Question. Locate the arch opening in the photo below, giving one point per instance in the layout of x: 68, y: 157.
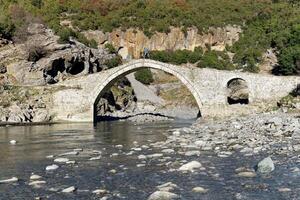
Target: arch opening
x: 104, y: 89
x: 238, y: 91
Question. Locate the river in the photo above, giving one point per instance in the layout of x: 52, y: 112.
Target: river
x: 119, y: 171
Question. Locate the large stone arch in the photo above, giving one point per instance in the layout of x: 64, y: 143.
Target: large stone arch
x: 132, y: 66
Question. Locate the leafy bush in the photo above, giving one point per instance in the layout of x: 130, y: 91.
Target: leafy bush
x: 289, y: 61
x: 177, y: 57
x: 144, y: 76
x: 66, y: 33
x: 113, y: 62
x: 217, y: 60
x: 7, y: 28
x: 111, y: 49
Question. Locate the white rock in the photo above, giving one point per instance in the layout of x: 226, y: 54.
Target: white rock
x: 11, y: 180
x: 284, y: 190
x: 192, y: 153
x: 265, y: 166
x: 35, y: 177
x: 79, y: 149
x: 74, y: 153
x: 199, y: 190
x: 69, y: 189
x: 142, y: 157
x: 156, y: 155
x: 119, y: 146
x: 191, y: 166
x: 100, y: 191
x: 95, y: 158
x: 167, y: 187
x: 61, y: 160
x: 168, y: 151
x: 13, y: 142
x: 37, y: 183
x: 50, y: 156
x: 163, y: 195
x: 247, y: 174
x: 52, y: 167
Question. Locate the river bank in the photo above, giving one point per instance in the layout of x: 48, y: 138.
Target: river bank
x: 128, y: 160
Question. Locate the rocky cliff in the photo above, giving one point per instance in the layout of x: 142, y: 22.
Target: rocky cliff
x: 131, y: 43
x: 29, y: 67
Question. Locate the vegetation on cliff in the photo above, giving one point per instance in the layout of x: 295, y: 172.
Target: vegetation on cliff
x: 266, y: 23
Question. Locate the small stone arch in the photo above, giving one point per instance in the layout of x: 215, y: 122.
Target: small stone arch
x: 116, y: 73
x: 237, y: 91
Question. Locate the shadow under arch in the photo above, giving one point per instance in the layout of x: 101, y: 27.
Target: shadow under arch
x: 238, y: 91
x: 123, y: 70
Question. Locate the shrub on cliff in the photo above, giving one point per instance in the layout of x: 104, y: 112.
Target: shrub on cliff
x: 113, y: 62
x: 7, y: 27
x: 177, y: 57
x: 144, y: 76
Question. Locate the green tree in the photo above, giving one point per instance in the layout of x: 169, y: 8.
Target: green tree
x: 144, y: 76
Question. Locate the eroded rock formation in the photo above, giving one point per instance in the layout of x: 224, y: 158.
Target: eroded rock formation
x: 131, y: 43
x: 27, y: 68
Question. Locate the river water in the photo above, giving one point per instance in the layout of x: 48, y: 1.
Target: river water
x: 117, y: 170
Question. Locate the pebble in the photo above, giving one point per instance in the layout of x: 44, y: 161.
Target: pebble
x: 284, y: 190
x: 163, y: 195
x: 247, y: 174
x: 61, y: 160
x: 100, y: 191
x: 191, y: 166
x: 156, y: 155
x: 69, y: 189
x: 35, y: 177
x: 74, y: 153
x: 13, y: 142
x: 37, y: 184
x: 168, y: 151
x: 52, y: 167
x: 199, y: 190
x: 142, y: 157
x: 119, y: 146
x: 167, y: 187
x: 95, y: 158
x: 11, y: 180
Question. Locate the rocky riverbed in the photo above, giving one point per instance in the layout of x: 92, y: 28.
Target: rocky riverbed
x: 253, y: 157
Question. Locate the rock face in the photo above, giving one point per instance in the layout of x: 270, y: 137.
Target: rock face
x: 41, y: 59
x: 131, y: 43
x: 3, y: 69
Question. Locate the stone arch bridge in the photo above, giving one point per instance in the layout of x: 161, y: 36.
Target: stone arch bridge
x: 73, y: 100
